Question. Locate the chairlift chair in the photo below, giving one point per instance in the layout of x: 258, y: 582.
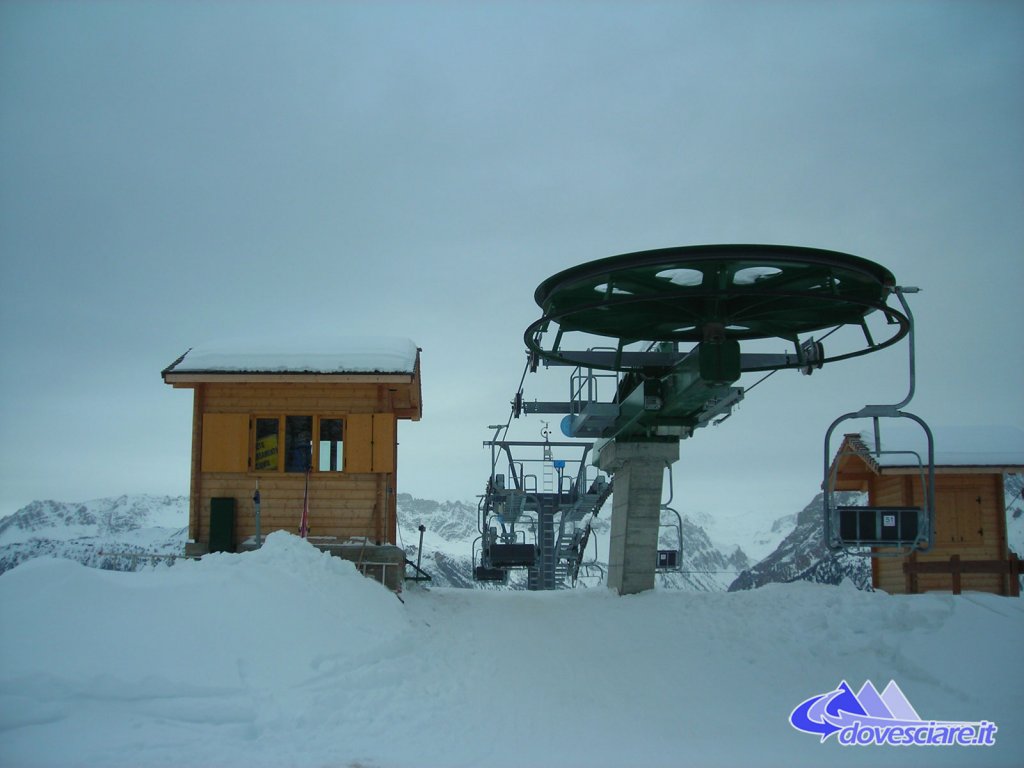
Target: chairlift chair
x: 883, y: 531
x: 670, y: 560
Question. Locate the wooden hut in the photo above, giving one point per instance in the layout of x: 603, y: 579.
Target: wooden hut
x: 970, y: 550
x: 304, y: 421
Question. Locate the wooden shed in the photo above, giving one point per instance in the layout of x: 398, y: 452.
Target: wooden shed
x: 970, y: 550
x: 316, y: 421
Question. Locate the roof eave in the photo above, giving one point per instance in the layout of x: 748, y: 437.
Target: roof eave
x: 953, y: 469
x: 185, y: 378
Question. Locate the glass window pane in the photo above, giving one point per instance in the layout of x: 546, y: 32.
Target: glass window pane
x: 298, y: 443
x: 330, y: 445
x: 265, y: 459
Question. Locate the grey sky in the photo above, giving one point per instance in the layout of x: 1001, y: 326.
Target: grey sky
x: 172, y: 173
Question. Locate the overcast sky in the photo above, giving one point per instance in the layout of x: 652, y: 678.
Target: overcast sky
x: 174, y: 173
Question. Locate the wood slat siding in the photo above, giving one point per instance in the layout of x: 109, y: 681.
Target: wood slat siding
x: 965, y: 505
x: 344, y: 505
x: 296, y: 398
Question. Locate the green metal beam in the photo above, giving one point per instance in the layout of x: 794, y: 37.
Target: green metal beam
x: 676, y: 397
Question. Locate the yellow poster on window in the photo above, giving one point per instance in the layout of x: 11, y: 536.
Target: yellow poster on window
x: 266, y: 453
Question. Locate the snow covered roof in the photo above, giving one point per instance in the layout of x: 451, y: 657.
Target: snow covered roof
x: 299, y: 355
x: 955, y: 446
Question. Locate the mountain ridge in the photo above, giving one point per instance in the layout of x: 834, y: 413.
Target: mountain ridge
x: 803, y: 556
x: 127, y: 532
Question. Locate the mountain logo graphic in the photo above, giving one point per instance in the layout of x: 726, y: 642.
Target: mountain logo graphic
x: 887, y: 718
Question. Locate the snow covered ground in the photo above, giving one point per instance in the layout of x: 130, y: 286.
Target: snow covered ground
x: 286, y: 656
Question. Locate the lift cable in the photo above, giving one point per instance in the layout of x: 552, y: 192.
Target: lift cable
x: 503, y: 430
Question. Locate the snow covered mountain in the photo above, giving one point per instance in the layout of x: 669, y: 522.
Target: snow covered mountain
x: 112, y: 533
x: 802, y: 555
x: 447, y: 541
x: 706, y: 566
x: 124, y: 533
x: 118, y: 533
x: 735, y: 529
x: 451, y: 528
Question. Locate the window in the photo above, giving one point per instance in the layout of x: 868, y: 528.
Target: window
x: 330, y: 447
x: 298, y: 443
x: 354, y: 443
x: 266, y: 446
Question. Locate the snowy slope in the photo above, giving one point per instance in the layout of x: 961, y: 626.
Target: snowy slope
x: 287, y: 657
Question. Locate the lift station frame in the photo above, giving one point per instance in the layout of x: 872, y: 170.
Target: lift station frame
x: 537, y: 514
x: 669, y: 324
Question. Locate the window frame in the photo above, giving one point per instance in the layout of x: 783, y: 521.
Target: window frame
x: 280, y: 418
x: 256, y: 417
x: 317, y: 421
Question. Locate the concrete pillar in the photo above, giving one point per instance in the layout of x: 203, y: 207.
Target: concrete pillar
x: 639, y: 470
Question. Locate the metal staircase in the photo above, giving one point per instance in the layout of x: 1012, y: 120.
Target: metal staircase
x: 573, y: 538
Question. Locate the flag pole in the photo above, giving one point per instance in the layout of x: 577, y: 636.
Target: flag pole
x: 304, y: 522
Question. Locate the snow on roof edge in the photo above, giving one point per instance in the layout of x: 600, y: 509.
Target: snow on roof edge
x: 312, y: 355
x: 955, y: 446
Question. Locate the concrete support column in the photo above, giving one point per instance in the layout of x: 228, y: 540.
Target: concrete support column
x: 639, y: 470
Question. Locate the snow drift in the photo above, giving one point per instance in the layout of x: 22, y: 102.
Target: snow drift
x: 287, y: 656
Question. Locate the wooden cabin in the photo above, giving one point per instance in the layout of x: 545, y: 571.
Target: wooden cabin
x: 318, y: 418
x: 970, y: 549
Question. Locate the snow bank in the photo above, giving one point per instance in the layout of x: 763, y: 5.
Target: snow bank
x: 288, y: 657
x: 114, y: 665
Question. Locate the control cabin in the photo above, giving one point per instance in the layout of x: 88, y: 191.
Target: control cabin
x: 970, y: 530
x: 319, y: 416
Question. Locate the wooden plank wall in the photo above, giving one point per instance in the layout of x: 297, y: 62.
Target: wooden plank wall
x: 293, y: 398
x: 341, y: 504
x: 969, y: 521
